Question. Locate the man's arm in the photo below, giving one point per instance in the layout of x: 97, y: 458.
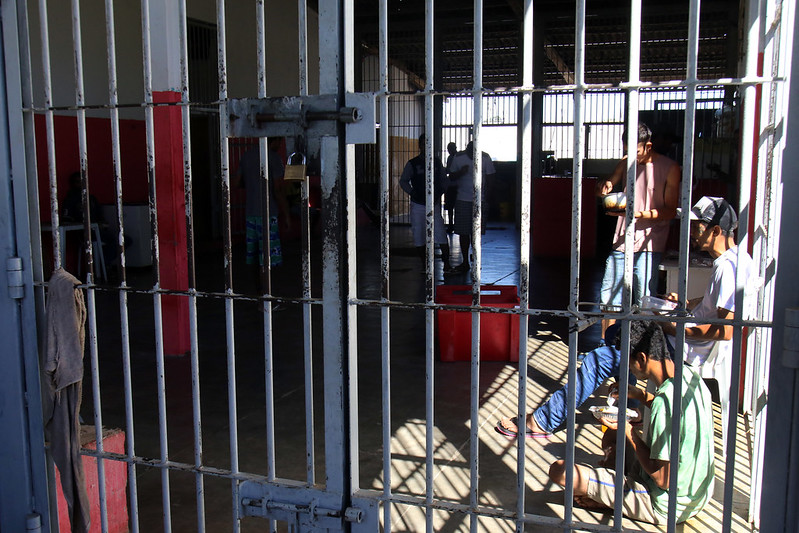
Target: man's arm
x: 690, y: 304
x: 705, y: 332
x: 405, y: 179
x: 671, y: 196
x: 657, y: 469
x: 712, y: 332
x: 606, y: 186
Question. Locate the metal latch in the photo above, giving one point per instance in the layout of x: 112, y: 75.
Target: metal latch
x: 305, y: 509
x: 316, y: 115
x: 16, y: 288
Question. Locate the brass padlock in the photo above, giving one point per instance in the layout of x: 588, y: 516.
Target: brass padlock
x: 295, y: 171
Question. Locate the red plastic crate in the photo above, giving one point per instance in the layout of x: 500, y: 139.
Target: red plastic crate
x: 499, y: 332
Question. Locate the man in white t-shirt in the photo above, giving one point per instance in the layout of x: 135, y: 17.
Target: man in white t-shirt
x: 713, y: 222
x: 461, y: 173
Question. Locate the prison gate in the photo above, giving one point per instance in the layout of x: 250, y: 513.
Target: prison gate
x: 276, y: 365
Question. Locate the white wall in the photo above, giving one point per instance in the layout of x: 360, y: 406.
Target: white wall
x: 282, y: 45
x: 95, y: 59
x: 406, y: 111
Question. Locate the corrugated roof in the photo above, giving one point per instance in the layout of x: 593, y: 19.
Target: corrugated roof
x: 664, y: 37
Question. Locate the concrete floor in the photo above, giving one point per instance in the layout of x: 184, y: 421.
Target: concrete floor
x: 547, y: 360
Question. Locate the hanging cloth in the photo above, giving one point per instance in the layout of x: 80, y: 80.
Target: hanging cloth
x: 63, y: 369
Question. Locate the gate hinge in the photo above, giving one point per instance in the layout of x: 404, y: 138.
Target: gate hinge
x: 307, y: 509
x: 16, y: 288
x: 314, y: 115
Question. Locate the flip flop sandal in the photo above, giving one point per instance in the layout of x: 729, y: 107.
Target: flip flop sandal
x: 529, y: 433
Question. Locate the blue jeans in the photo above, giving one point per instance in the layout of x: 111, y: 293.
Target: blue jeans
x: 644, y: 282
x: 598, y: 365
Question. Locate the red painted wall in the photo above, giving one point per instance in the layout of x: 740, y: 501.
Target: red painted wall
x: 101, y: 170
x: 552, y: 217
x: 168, y: 131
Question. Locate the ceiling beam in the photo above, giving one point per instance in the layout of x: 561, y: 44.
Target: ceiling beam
x: 413, y: 78
x: 517, y: 8
x: 558, y: 61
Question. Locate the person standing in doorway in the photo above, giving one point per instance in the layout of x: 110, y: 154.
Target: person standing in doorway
x: 249, y: 177
x: 462, y: 173
x: 452, y: 191
x: 657, y: 194
x: 412, y: 182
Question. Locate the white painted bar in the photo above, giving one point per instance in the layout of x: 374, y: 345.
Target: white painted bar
x: 574, y: 283
x: 524, y: 125
x: 77, y: 48
x: 385, y: 312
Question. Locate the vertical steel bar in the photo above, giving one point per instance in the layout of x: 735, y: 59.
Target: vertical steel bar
x: 113, y: 100
x: 385, y: 314
x: 749, y: 104
x: 229, y: 322
x: 429, y: 256
x: 157, y: 309
x: 574, y: 281
x: 23, y: 38
x: 306, y: 265
x: 477, y: 172
x: 685, y: 202
x: 524, y: 125
x: 266, y: 305
x: 348, y: 175
x: 47, y: 85
x: 338, y: 260
x: 302, y: 16
x: 199, y: 482
x: 90, y: 292
x: 632, y: 169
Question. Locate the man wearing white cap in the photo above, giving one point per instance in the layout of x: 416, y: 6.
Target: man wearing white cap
x: 713, y: 222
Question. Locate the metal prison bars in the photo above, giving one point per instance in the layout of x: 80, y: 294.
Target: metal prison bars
x: 335, y: 279
x: 749, y: 82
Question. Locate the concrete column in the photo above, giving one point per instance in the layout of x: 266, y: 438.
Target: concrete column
x: 165, y: 42
x: 778, y: 509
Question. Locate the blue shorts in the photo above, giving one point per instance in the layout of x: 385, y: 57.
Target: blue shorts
x: 644, y: 282
x: 255, y: 238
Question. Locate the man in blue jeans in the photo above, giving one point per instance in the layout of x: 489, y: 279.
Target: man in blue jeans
x: 657, y: 194
x: 598, y: 365
x: 713, y: 221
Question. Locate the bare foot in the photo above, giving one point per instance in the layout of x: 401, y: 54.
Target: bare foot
x: 533, y: 425
x: 585, y: 502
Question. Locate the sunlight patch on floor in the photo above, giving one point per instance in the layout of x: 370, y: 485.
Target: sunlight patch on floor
x: 547, y: 355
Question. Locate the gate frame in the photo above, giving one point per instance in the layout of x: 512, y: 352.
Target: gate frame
x: 24, y: 498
